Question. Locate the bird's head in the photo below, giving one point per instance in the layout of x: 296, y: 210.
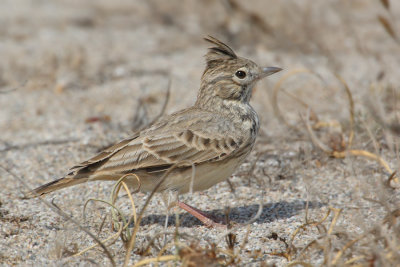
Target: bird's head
x: 228, y: 76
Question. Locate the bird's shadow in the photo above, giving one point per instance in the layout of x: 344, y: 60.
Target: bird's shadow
x: 242, y: 214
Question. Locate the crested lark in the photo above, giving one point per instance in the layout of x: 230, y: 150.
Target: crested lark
x: 213, y: 136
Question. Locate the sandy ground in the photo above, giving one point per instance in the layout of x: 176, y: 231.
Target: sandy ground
x: 77, y: 76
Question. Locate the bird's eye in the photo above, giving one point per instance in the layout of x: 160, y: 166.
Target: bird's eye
x: 240, y: 74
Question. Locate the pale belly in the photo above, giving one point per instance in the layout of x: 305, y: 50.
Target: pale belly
x: 205, y: 176
x: 182, y: 181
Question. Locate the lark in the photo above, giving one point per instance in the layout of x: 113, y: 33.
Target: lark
x: 192, y: 149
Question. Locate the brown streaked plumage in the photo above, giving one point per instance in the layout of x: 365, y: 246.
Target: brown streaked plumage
x: 215, y: 135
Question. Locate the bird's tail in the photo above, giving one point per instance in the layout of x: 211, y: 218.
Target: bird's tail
x: 55, y: 185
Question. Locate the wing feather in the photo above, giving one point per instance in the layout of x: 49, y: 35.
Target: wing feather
x: 189, y: 146
x: 108, y: 152
x: 165, y: 145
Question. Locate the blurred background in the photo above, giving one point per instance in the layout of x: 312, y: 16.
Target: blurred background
x: 133, y: 46
x: 69, y: 46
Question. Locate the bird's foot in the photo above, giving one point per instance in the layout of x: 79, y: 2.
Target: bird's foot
x: 207, y: 220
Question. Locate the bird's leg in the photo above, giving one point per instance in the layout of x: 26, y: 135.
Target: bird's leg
x: 203, y: 217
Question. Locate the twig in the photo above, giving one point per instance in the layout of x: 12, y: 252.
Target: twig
x: 116, y: 235
x: 136, y: 228
x: 254, y: 19
x: 9, y: 147
x: 277, y: 88
x: 343, y: 154
x: 157, y: 259
x: 234, y: 228
x: 351, y: 110
x: 313, y: 137
x: 376, y: 111
x: 165, y: 104
x: 334, y: 220
x: 9, y: 90
x: 64, y: 215
x: 302, y: 263
x: 348, y: 245
x: 139, y: 123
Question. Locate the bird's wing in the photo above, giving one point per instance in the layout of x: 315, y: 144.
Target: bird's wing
x: 166, y: 144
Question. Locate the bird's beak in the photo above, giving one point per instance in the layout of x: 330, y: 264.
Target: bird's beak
x: 268, y: 71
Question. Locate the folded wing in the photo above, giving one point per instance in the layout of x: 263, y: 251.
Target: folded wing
x: 161, y: 148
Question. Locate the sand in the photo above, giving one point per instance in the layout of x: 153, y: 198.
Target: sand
x: 77, y: 76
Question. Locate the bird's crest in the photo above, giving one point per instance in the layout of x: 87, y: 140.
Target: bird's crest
x: 218, y: 52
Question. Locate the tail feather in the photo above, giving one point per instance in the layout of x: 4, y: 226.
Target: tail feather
x: 55, y: 185
x: 75, y: 179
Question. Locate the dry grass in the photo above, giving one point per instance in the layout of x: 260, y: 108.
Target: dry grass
x: 329, y: 137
